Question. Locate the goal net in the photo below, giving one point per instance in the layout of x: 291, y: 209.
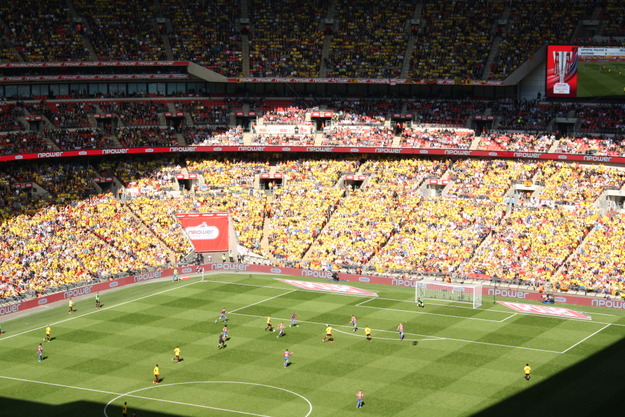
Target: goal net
x: 462, y: 293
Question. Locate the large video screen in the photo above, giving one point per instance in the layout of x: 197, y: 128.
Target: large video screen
x: 580, y: 71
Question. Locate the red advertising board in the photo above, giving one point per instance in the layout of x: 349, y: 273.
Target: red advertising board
x: 318, y: 149
x: 208, y: 232
x: 507, y: 293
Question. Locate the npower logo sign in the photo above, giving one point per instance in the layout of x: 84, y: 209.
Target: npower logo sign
x: 203, y: 232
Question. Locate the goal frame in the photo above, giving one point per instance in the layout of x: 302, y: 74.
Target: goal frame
x: 449, y: 291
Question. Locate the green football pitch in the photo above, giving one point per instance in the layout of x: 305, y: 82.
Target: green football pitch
x: 454, y: 360
x: 597, y: 79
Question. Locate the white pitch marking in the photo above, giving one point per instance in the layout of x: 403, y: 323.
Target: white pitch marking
x: 437, y: 337
x: 586, y: 338
x: 389, y: 338
x: 262, y: 301
x: 130, y: 393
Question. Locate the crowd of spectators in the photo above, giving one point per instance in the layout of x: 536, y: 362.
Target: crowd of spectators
x: 612, y: 13
x: 589, y: 269
x: 531, y: 244
x: 593, y: 146
x: 530, y: 115
x: 9, y: 117
x: 454, y: 40
x: 77, y: 139
x: 384, y: 225
x: 206, y: 112
x: 208, y: 137
x: 24, y: 142
x: 518, y: 141
x: 285, y: 38
x: 368, y: 216
x: 303, y: 206
x: 136, y: 113
x: 63, y: 183
x: 42, y: 34
x: 59, y: 245
x: 346, y: 135
x: 65, y: 115
x: 602, y: 118
x: 283, y: 139
x: 514, y: 125
x: 438, y: 235
x: 126, y: 32
x: 142, y: 137
x: 354, y: 39
x: 370, y: 40
x: 452, y: 113
x: 155, y: 173
x: 291, y: 115
x: 487, y: 179
x: 423, y: 137
x: 576, y: 184
x: 204, y: 32
x: 527, y: 30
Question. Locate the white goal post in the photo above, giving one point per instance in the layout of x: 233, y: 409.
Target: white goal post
x: 462, y: 293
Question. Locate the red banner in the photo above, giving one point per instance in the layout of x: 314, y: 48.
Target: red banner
x: 207, y: 231
x: 313, y: 149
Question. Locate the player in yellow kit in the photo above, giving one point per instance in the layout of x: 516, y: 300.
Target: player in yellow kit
x: 328, y: 334
x: 157, y: 375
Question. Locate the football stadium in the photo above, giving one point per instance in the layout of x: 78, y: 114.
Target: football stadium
x: 293, y: 209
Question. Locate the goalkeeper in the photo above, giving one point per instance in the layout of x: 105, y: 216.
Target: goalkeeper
x: 420, y: 303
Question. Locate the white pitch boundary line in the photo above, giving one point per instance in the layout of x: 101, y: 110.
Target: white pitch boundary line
x: 437, y: 337
x: 262, y: 301
x: 98, y: 310
x: 586, y: 338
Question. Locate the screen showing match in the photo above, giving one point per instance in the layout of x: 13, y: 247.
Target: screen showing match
x: 576, y: 71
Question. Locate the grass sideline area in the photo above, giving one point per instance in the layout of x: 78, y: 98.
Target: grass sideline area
x: 601, y: 79
x: 454, y: 360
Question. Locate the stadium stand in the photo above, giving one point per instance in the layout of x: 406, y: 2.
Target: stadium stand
x: 196, y: 24
x: 281, y: 46
x: 527, y: 222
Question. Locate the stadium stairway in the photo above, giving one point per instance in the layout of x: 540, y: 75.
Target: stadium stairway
x: 264, y: 241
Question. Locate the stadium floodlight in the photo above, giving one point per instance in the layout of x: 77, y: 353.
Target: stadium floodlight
x: 462, y: 293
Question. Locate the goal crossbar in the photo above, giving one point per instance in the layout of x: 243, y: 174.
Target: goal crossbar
x: 462, y: 293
